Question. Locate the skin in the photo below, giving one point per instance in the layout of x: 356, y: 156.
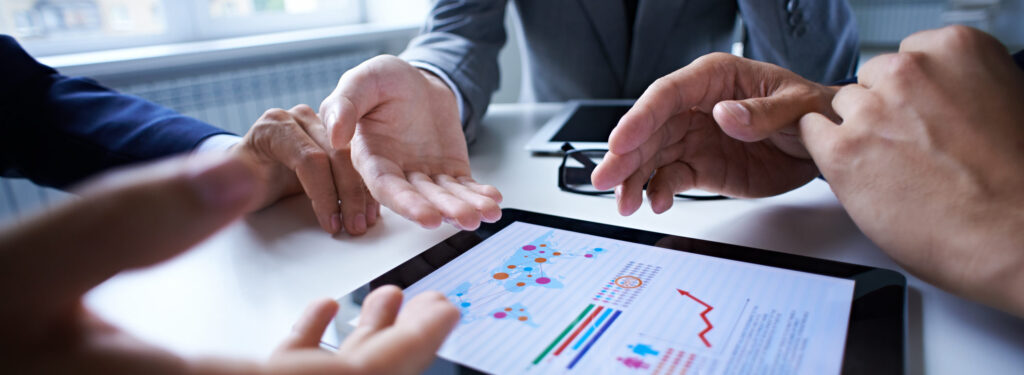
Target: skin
x: 47, y: 329
x: 928, y: 161
x: 723, y: 123
x: 403, y: 128
x: 291, y: 154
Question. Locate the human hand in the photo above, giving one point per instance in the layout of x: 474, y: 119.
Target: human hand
x: 292, y: 153
x: 928, y: 160
x: 47, y: 263
x: 723, y: 123
x: 385, y: 341
x: 124, y: 220
x: 403, y: 127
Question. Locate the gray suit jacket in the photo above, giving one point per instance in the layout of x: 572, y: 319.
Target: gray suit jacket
x: 577, y: 49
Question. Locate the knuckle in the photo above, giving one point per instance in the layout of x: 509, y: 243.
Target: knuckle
x: 907, y: 64
x: 960, y: 37
x: 261, y: 127
x: 277, y: 114
x: 303, y: 109
x: 315, y: 157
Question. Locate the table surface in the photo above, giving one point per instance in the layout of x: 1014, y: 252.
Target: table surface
x: 239, y: 292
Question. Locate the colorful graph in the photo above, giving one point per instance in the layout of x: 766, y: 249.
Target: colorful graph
x: 703, y: 315
x: 527, y: 267
x: 604, y: 306
x: 627, y: 284
x: 592, y: 322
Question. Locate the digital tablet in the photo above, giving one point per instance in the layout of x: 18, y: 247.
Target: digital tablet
x: 584, y: 123
x: 541, y: 294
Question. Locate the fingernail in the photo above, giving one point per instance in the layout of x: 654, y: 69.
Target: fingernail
x: 738, y: 112
x: 335, y: 223
x: 222, y: 182
x: 360, y: 223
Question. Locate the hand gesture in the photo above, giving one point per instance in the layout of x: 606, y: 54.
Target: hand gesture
x: 48, y: 262
x: 928, y: 161
x: 406, y: 140
x: 291, y: 153
x: 723, y: 123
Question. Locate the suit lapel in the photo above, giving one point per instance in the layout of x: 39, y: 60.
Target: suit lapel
x: 607, y: 17
x: 654, y: 20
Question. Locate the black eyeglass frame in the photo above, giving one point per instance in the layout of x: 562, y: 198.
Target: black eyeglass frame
x: 588, y: 167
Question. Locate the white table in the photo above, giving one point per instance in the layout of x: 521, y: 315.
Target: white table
x: 239, y: 292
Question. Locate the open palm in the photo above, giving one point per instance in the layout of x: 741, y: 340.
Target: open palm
x: 406, y: 140
x: 723, y: 124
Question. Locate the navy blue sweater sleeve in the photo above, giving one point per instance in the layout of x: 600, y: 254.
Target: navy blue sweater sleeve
x: 1019, y: 58
x: 57, y: 130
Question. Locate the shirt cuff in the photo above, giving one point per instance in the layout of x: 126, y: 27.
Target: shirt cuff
x: 217, y: 142
x: 447, y: 80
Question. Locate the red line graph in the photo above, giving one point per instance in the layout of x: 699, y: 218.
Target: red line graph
x: 703, y: 315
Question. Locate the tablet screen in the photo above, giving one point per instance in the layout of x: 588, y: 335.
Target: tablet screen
x: 541, y: 300
x: 591, y: 123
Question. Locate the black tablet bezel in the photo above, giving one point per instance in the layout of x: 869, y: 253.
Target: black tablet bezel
x: 875, y: 340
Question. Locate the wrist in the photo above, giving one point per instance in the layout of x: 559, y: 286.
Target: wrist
x: 437, y: 84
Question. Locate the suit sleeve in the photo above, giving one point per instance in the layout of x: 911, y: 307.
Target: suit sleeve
x: 57, y: 130
x: 462, y: 38
x: 814, y: 38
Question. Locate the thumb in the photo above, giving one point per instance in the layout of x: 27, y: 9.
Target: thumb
x: 310, y: 328
x: 754, y: 119
x: 127, y: 219
x: 354, y: 97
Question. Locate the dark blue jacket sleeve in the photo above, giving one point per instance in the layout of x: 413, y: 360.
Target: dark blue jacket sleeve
x: 57, y: 130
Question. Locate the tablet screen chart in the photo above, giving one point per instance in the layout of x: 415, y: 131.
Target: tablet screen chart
x: 627, y: 284
x: 527, y: 267
x: 538, y: 300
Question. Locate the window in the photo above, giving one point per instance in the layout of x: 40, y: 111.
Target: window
x: 41, y: 19
x: 54, y: 27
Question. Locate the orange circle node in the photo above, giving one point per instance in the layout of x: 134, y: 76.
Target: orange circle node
x: 508, y: 309
x: 501, y: 276
x: 543, y: 245
x: 520, y: 283
x: 540, y: 260
x: 511, y: 266
x: 522, y: 318
x: 556, y: 253
x: 529, y: 275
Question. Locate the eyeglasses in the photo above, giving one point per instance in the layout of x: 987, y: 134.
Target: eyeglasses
x: 577, y: 166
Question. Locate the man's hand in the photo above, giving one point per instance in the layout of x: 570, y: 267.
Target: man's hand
x: 928, y: 161
x: 292, y: 153
x: 403, y: 127
x: 140, y: 217
x: 723, y: 123
x: 386, y: 341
